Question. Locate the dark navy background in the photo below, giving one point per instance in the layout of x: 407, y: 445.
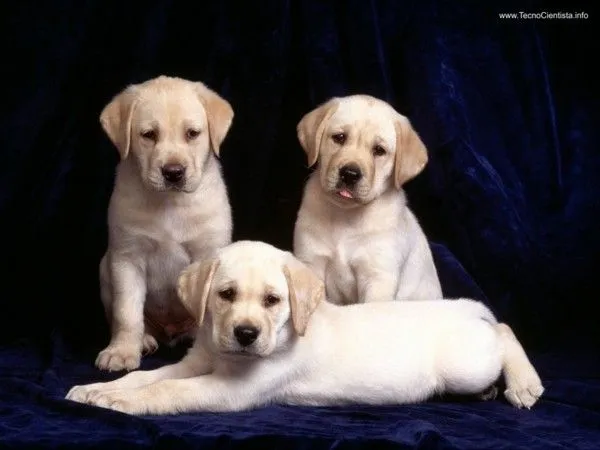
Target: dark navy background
x: 510, y: 198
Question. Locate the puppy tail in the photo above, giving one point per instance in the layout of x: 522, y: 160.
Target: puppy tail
x: 487, y: 315
x: 481, y: 311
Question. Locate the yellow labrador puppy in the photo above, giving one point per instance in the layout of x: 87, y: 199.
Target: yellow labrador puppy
x: 169, y: 208
x: 354, y: 228
x: 265, y: 336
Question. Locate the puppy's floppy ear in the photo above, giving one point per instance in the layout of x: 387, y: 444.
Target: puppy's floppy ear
x: 411, y: 154
x: 219, y: 114
x: 306, y: 290
x: 116, y: 118
x: 311, y: 127
x: 193, y: 287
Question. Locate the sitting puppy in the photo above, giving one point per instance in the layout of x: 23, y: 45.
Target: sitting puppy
x: 169, y: 207
x: 354, y: 228
x: 265, y: 336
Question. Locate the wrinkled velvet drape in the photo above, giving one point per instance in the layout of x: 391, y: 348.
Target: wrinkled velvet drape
x: 510, y: 198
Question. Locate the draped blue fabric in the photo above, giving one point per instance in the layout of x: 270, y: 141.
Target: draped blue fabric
x: 509, y: 200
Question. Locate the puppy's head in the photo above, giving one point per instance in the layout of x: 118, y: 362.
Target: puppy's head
x: 364, y: 147
x: 168, y: 126
x: 252, y: 297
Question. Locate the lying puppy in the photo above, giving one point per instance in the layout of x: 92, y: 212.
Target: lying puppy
x: 169, y: 207
x: 265, y: 336
x: 354, y: 228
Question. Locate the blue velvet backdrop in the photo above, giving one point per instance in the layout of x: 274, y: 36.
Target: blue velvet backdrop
x: 509, y: 200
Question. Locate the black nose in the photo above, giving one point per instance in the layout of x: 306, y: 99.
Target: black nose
x: 350, y: 174
x: 173, y: 173
x: 245, y: 334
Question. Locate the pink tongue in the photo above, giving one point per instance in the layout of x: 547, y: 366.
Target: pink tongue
x: 345, y: 193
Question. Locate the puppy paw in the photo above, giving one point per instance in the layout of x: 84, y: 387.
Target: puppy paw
x: 117, y: 400
x: 524, y: 392
x: 149, y: 344
x: 80, y: 394
x: 118, y: 357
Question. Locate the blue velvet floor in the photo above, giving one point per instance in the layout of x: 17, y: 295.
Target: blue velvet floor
x: 509, y: 110
x: 34, y: 415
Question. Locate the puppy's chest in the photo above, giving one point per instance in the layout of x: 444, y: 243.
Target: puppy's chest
x: 340, y: 277
x: 165, y: 241
x: 164, y: 261
x: 340, y: 245
x: 175, y: 226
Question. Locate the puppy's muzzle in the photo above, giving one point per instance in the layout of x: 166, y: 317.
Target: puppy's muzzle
x: 350, y: 174
x: 173, y: 174
x: 246, y: 334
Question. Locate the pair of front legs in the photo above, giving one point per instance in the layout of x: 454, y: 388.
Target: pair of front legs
x: 185, y: 386
x: 375, y: 281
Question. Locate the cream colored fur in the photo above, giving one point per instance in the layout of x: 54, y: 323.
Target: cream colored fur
x: 157, y: 228
x: 363, y: 241
x: 312, y: 352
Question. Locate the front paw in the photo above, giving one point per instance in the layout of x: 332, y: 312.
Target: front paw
x: 118, y: 400
x: 117, y: 357
x: 81, y: 394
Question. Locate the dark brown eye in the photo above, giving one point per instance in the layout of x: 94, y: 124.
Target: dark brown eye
x: 339, y: 138
x: 151, y: 135
x: 227, y: 294
x: 191, y: 134
x: 378, y: 150
x: 271, y: 300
